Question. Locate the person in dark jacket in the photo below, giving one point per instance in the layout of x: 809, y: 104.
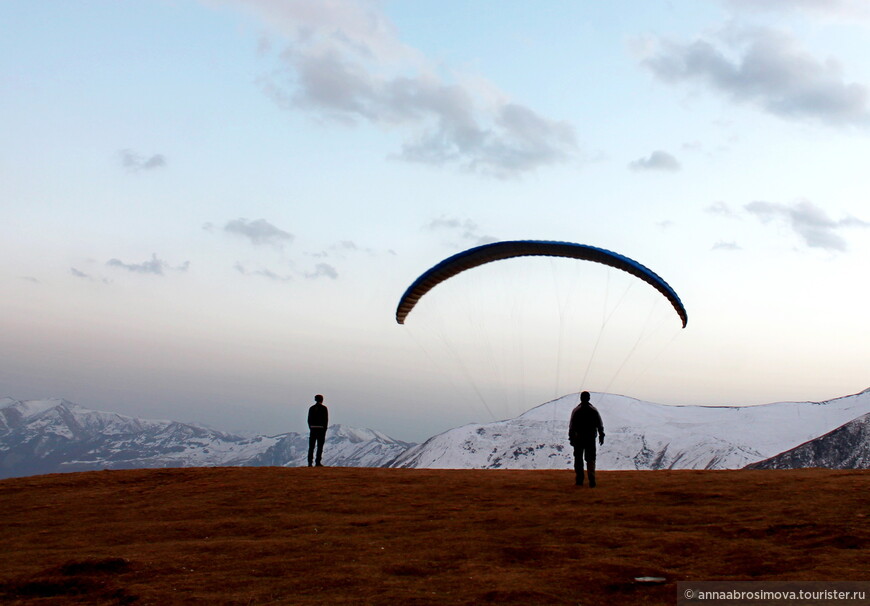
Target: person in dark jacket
x: 585, y: 424
x: 318, y: 420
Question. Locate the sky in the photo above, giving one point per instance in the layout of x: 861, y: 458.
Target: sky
x: 211, y: 208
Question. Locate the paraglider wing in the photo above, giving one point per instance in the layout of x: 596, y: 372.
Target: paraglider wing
x: 498, y: 251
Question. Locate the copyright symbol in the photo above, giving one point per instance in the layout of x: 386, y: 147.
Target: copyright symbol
x: 689, y: 594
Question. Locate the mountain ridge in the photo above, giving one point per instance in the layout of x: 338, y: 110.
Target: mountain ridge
x: 640, y: 435
x: 55, y: 435
x: 846, y: 447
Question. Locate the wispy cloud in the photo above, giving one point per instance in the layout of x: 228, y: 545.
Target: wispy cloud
x: 767, y: 69
x: 259, y: 232
x: 135, y: 162
x: 728, y: 246
x: 808, y: 221
x: 824, y: 8
x: 263, y: 272
x: 346, y: 249
x: 85, y: 276
x: 658, y: 160
x: 153, y: 266
x: 465, y: 229
x: 322, y: 270
x: 348, y: 245
x: 721, y: 209
x: 344, y: 62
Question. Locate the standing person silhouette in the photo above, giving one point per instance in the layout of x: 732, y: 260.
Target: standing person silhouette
x: 318, y: 420
x: 585, y: 424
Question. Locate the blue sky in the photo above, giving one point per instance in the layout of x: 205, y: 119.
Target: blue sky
x: 211, y: 207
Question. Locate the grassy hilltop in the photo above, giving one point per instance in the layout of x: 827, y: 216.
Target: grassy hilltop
x: 405, y: 536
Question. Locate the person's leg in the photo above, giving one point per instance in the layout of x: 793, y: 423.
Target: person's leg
x: 312, y: 439
x: 590, y: 464
x: 578, y: 465
x: 321, y: 438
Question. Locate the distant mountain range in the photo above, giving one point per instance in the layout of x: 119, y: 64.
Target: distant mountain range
x: 54, y: 435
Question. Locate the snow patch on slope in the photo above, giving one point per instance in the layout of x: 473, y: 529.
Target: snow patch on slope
x: 640, y: 435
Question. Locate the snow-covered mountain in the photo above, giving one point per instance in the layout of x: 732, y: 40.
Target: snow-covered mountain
x: 54, y: 435
x: 847, y: 447
x: 345, y: 447
x: 639, y: 435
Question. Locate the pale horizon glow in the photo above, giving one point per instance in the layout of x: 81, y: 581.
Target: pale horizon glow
x: 212, y: 207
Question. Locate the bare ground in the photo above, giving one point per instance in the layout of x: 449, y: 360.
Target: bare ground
x: 395, y: 536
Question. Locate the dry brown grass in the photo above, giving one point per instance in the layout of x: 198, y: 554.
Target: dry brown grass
x: 396, y: 536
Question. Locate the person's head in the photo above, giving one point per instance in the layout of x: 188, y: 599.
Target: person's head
x: 584, y: 397
x: 318, y: 398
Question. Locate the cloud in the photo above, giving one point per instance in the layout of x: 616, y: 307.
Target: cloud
x: 134, y: 162
x: 84, y: 276
x: 347, y: 245
x: 259, y: 232
x: 153, y: 266
x: 767, y: 69
x: 808, y: 221
x: 851, y: 221
x: 722, y: 245
x: 466, y: 229
x: 79, y: 274
x: 721, y: 209
x: 444, y: 222
x: 322, y: 270
x: 344, y: 63
x: 827, y: 8
x: 262, y: 272
x: 344, y: 248
x: 658, y: 160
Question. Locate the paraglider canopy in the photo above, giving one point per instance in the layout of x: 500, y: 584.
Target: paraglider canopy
x: 497, y: 251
